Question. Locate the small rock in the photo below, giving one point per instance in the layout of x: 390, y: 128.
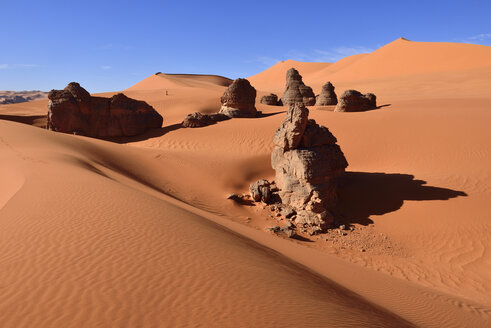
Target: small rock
x: 342, y: 227
x: 289, y: 224
x: 314, y: 230
x: 236, y: 198
x: 270, y: 99
x: 288, y: 231
x: 287, y: 212
x: 355, y: 101
x: 260, y: 191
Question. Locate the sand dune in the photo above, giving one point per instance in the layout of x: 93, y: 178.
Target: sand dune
x: 169, y: 81
x: 399, y: 70
x: 139, y: 232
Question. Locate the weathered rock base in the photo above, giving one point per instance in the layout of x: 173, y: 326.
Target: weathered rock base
x: 308, y: 165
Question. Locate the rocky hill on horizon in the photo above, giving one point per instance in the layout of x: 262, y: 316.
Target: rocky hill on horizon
x: 14, y: 97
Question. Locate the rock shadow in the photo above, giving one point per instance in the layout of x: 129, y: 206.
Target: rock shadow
x: 261, y: 115
x: 154, y: 133
x: 374, y: 108
x: 36, y: 120
x: 362, y: 194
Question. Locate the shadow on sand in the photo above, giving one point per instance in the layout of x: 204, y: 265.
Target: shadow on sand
x: 363, y: 194
x: 155, y: 133
x: 36, y: 120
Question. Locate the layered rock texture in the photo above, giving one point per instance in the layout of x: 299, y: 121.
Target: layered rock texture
x: 196, y: 120
x: 239, y: 100
x: 271, y: 100
x: 308, y: 163
x: 296, y: 91
x: 74, y: 110
x: 355, y: 101
x: 327, y: 96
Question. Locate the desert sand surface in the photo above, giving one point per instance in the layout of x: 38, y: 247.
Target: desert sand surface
x: 138, y: 232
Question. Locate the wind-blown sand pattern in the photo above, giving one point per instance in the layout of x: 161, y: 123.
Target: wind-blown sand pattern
x: 137, y: 232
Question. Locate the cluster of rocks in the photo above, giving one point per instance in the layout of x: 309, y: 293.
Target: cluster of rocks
x: 237, y: 101
x: 296, y: 91
x: 271, y: 100
x: 327, y: 96
x: 74, y: 110
x: 355, y: 101
x: 307, y: 163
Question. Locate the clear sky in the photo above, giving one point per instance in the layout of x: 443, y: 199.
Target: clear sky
x: 111, y: 45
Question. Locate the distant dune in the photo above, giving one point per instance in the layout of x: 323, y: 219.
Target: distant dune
x: 400, y: 70
x: 163, y: 81
x: 140, y: 232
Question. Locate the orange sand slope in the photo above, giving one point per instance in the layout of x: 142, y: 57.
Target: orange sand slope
x: 99, y: 233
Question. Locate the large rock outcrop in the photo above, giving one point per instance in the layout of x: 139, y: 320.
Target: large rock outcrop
x: 296, y: 91
x: 355, y: 101
x: 308, y: 163
x: 327, y: 96
x: 239, y: 100
x: 271, y: 100
x: 74, y: 110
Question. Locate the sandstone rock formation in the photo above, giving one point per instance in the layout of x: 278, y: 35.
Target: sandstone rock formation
x: 308, y: 163
x: 74, y: 110
x: 239, y: 100
x: 296, y: 91
x: 355, y: 101
x: 196, y: 120
x: 271, y: 100
x: 327, y: 96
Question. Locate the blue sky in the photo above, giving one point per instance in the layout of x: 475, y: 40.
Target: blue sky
x: 111, y: 45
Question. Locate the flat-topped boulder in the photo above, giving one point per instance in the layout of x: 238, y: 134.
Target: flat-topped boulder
x: 196, y: 120
x: 74, y: 110
x: 296, y: 91
x: 239, y: 100
x: 327, y: 97
x: 355, y: 101
x: 271, y: 100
